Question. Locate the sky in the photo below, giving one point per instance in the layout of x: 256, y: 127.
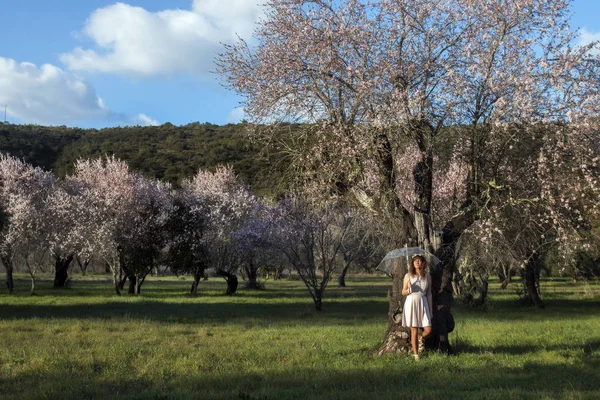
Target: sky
x: 99, y: 63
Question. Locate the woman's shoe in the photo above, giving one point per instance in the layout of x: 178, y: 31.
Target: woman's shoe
x: 421, y: 345
x: 416, y: 357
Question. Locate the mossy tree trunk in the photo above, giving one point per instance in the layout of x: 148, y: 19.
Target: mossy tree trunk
x: 397, y: 337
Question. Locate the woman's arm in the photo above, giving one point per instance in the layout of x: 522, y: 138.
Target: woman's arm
x: 406, y: 287
x: 429, y: 296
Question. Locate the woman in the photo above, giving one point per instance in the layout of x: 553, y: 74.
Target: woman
x: 417, y: 307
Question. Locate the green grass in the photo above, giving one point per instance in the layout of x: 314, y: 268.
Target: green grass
x: 86, y: 343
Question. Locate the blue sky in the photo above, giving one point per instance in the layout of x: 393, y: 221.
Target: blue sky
x: 98, y: 63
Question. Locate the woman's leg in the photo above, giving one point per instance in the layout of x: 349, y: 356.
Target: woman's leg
x: 413, y: 339
x: 424, y: 335
x: 426, y: 332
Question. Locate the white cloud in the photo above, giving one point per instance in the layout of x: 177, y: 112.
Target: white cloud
x: 46, y: 95
x: 236, y: 116
x: 144, y: 120
x: 133, y: 41
x: 586, y: 37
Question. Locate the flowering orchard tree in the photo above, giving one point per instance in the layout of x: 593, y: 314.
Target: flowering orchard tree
x: 65, y: 213
x: 188, y: 242
x: 312, y: 237
x: 228, y: 204
x: 252, y: 242
x: 549, y: 201
x: 24, y: 193
x: 107, y: 190
x: 449, y: 182
x: 10, y: 169
x: 144, y: 235
x: 360, y: 244
x: 6, y: 252
x: 127, y: 217
x: 379, y: 75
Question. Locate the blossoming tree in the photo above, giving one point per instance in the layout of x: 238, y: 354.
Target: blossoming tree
x: 106, y: 187
x: 227, y: 204
x: 378, y: 76
x: 24, y: 193
x: 311, y: 235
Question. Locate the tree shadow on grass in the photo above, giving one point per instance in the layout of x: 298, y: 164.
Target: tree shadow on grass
x: 170, y: 288
x: 297, y: 312
x: 512, y: 310
x: 401, y: 379
x: 588, y: 349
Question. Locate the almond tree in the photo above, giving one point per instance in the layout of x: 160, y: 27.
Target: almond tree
x: 144, y: 234
x: 228, y: 203
x: 6, y: 253
x: 10, y: 169
x: 360, y: 244
x: 188, y: 228
x: 125, y: 217
x: 550, y: 202
x: 64, y: 212
x: 311, y: 236
x: 107, y: 190
x: 377, y: 76
x: 24, y: 193
x: 253, y: 246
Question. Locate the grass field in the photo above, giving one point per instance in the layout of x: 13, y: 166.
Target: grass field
x: 86, y: 343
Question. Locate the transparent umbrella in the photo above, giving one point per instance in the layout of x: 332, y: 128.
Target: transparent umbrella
x: 394, y: 258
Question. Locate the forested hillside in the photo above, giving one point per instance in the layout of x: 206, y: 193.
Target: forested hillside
x: 39, y: 145
x: 167, y: 152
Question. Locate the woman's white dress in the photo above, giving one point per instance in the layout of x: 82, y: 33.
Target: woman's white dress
x: 416, y: 311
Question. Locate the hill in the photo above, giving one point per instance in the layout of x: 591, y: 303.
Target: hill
x: 167, y: 152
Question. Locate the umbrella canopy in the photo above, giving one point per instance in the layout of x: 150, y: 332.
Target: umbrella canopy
x: 394, y: 259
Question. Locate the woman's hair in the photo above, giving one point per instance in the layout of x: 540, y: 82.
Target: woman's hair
x: 412, y: 269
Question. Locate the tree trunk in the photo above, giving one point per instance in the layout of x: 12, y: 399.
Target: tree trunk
x: 317, y: 296
x: 507, y: 280
x: 62, y: 270
x: 397, y: 337
x: 7, y: 262
x: 458, y: 284
x: 342, y: 277
x: 532, y: 269
x: 422, y: 223
x: 116, y: 282
x: 503, y: 276
x: 232, y: 282
x: 32, y: 285
x: 442, y: 273
x: 82, y: 265
x: 441, y: 279
x: 278, y: 273
x: 121, y: 281
x: 10, y: 284
x: 252, y: 275
x: 132, y: 284
x: 195, y: 283
x: 318, y: 304
x: 138, y: 285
